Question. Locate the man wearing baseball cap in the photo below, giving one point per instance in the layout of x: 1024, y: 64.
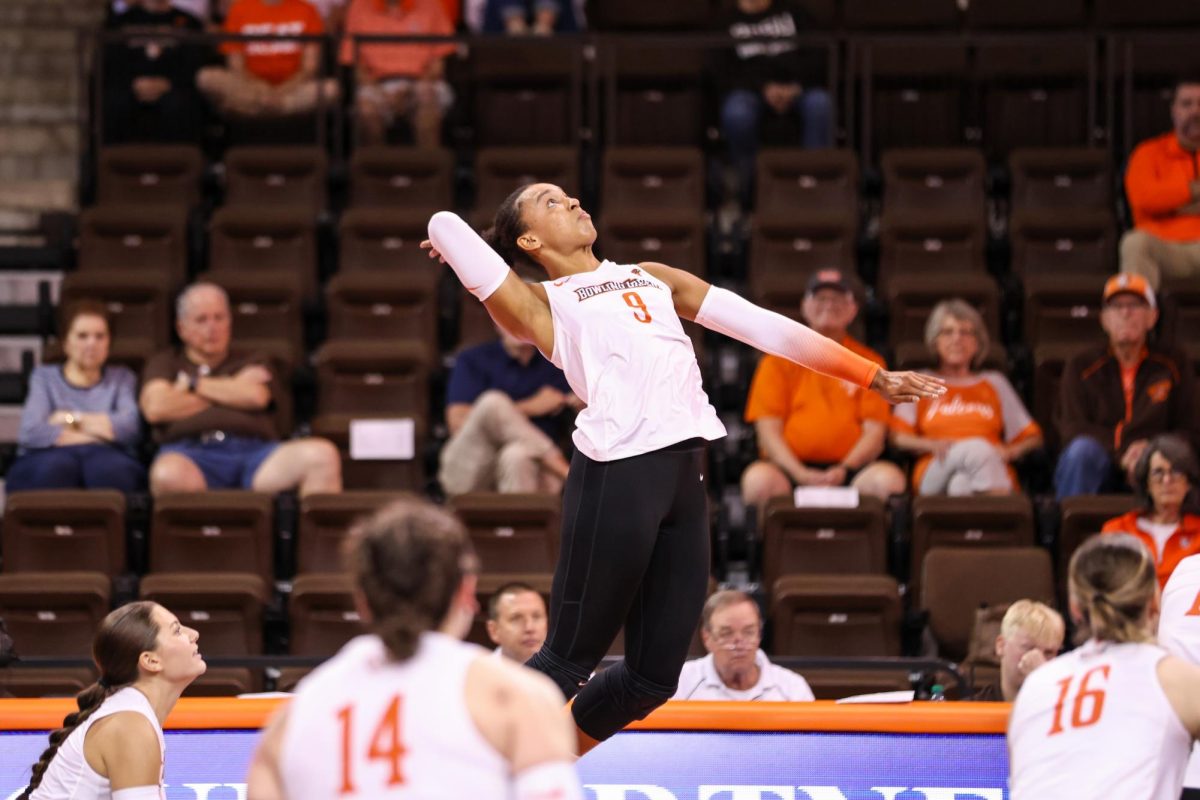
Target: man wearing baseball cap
x: 814, y: 430
x: 1116, y: 396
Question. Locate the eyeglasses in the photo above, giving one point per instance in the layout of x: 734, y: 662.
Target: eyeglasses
x: 1121, y: 306
x: 950, y: 333
x: 1161, y: 474
x: 727, y: 636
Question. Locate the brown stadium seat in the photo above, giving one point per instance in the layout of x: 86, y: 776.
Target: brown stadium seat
x: 499, y: 171
x: 786, y: 247
x: 653, y: 178
x: 968, y: 522
x: 213, y: 531
x: 1063, y: 308
x: 54, y: 614
x: 322, y: 614
x: 634, y: 15
x: 1148, y: 66
x: 823, y: 540
x: 268, y: 312
x: 669, y: 236
x: 276, y: 175
x: 1180, y: 304
x: 934, y: 180
x: 911, y: 96
x: 402, y: 177
x: 475, y: 324
x: 324, y: 521
x: 524, y: 93
x: 385, y: 240
x: 1080, y: 517
x: 921, y: 242
x: 1045, y: 179
x: 373, y: 378
x: 1026, y: 14
x: 383, y: 307
x: 515, y: 533
x: 884, y: 14
x: 807, y: 181
x: 1048, y: 363
x: 386, y: 474
x: 1145, y: 13
x: 654, y: 95
x: 265, y: 240
x: 1050, y: 243
x: 488, y: 584
x: 64, y: 530
x: 911, y: 298
x: 836, y: 615
x: 136, y: 239
x: 150, y: 175
x: 138, y: 305
x: 226, y: 609
x: 32, y: 682
x: 957, y: 580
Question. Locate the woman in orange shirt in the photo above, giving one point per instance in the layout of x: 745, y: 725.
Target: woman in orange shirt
x: 1165, y: 481
x: 965, y: 439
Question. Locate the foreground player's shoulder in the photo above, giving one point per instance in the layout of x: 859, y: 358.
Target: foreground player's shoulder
x: 519, y: 712
x: 503, y: 681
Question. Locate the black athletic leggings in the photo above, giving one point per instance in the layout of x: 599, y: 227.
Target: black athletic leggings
x: 635, y: 551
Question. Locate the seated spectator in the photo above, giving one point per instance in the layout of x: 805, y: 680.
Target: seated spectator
x: 80, y: 427
x: 735, y: 667
x: 1115, y: 396
x: 516, y: 621
x: 399, y: 80
x: 814, y: 430
x: 761, y: 79
x: 200, y: 9
x: 1168, y: 521
x: 269, y: 78
x: 524, y: 17
x: 1163, y: 189
x: 966, y: 440
x: 150, y: 82
x: 211, y: 408
x: 503, y: 406
x: 1031, y: 634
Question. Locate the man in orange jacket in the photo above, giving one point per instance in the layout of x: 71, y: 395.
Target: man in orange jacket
x: 1162, y: 183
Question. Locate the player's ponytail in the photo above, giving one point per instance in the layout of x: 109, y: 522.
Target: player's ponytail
x: 408, y: 560
x: 124, y: 635
x: 1112, y: 583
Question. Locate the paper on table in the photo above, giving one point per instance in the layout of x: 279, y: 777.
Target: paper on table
x: 825, y: 497
x: 902, y: 696
x: 382, y: 439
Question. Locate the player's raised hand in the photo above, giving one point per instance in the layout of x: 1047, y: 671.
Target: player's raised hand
x: 433, y: 251
x: 907, y: 387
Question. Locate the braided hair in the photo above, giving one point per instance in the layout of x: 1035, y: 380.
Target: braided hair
x: 124, y: 635
x: 1112, y: 583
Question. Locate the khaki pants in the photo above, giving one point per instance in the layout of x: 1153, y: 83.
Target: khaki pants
x: 971, y: 466
x: 497, y: 449
x: 1154, y: 258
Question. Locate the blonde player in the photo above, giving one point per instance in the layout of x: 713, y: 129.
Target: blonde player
x: 1115, y: 717
x: 410, y: 711
x: 635, y: 538
x: 1179, y: 633
x: 113, y: 747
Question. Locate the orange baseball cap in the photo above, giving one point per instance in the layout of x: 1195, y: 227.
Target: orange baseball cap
x: 1129, y: 283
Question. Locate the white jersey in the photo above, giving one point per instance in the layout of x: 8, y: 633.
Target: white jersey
x: 619, y: 341
x: 1095, y: 724
x: 362, y: 725
x: 70, y: 777
x: 1179, y: 631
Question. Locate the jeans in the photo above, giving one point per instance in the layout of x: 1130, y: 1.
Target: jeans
x: 81, y: 466
x: 1084, y: 467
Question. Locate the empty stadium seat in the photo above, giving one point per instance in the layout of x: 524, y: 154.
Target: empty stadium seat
x: 911, y: 298
x: 912, y: 96
x: 385, y: 239
x: 1063, y: 308
x: 382, y: 307
x: 1050, y: 243
x: 982, y: 521
x: 54, y: 614
x: 1048, y: 362
x: 150, y: 174
x: 1134, y: 13
x: 31, y: 682
x: 265, y: 240
x: 277, y: 175
x: 786, y: 247
x: 375, y: 473
x: 1061, y: 178
x: 512, y: 533
x: 823, y: 540
x: 1032, y: 14
x: 325, y: 519
x: 653, y: 178
x: 653, y: 95
x: 634, y: 15
x: 956, y: 581
x: 499, y: 171
x: 213, y: 531
x: 322, y: 614
x: 1180, y: 304
x: 935, y: 180
x: 1082, y: 516
x: 475, y: 324
x: 525, y: 93
x: 836, y: 615
x: 920, y: 242
x: 402, y: 177
x: 389, y: 378
x: 136, y: 239
x: 64, y: 530
x: 800, y: 180
x: 674, y: 237
x: 887, y: 15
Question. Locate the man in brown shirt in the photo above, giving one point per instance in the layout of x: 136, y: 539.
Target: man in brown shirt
x: 210, y: 407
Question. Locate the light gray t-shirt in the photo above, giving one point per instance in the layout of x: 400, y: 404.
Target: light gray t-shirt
x: 49, y: 391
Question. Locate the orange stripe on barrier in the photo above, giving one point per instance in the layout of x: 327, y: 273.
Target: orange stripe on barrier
x: 204, y: 713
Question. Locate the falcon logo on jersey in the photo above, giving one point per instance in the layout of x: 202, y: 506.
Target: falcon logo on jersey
x: 585, y: 292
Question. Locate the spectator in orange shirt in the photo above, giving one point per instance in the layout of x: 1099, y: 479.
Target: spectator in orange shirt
x: 966, y: 439
x: 399, y: 80
x: 264, y: 77
x: 814, y: 430
x: 1163, y: 187
x: 1165, y: 481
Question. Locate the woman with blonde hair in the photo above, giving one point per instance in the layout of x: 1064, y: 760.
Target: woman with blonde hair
x: 1116, y: 716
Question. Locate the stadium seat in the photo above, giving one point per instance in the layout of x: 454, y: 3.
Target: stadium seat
x: 64, y: 530
x: 1082, y: 516
x: 887, y: 15
x: 321, y: 613
x: 267, y: 310
x: 982, y: 521
x: 1147, y: 68
x: 1053, y: 242
x: 1180, y: 307
x: 1063, y: 308
x: 54, y: 614
x: 374, y: 472
x: 499, y: 171
x: 138, y: 305
x: 956, y: 581
x: 836, y: 615
x: 135, y: 239
x: 385, y: 240
x: 213, y: 531
x: 325, y: 519
x: 1121, y: 14
x: 948, y: 180
x: 786, y: 247
x: 1045, y: 179
x: 265, y: 240
x: 402, y: 177
x: 152, y: 175
x: 653, y: 93
x: 911, y: 298
x: 912, y: 95
x: 653, y: 178
x: 950, y: 245
x: 382, y: 307
x: 794, y: 180
x: 277, y: 175
x: 512, y: 533
x: 475, y: 324
x: 674, y: 237
x: 380, y: 378
x: 1048, y: 363
x: 488, y: 584
x: 633, y: 15
x: 32, y: 682
x: 823, y: 540
x: 525, y: 93
x: 1025, y: 14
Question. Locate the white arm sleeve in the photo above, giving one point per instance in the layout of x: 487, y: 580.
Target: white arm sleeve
x: 553, y: 779
x: 725, y: 312
x: 138, y: 793
x: 478, y: 267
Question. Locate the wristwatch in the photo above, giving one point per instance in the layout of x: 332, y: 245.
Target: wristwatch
x: 71, y: 420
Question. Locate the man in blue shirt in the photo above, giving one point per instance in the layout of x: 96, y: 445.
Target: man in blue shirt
x: 503, y: 407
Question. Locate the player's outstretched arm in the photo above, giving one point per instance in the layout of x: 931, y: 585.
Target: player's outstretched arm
x: 725, y: 312
x: 513, y: 304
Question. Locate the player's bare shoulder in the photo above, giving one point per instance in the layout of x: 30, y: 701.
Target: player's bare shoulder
x: 521, y: 713
x: 502, y: 681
